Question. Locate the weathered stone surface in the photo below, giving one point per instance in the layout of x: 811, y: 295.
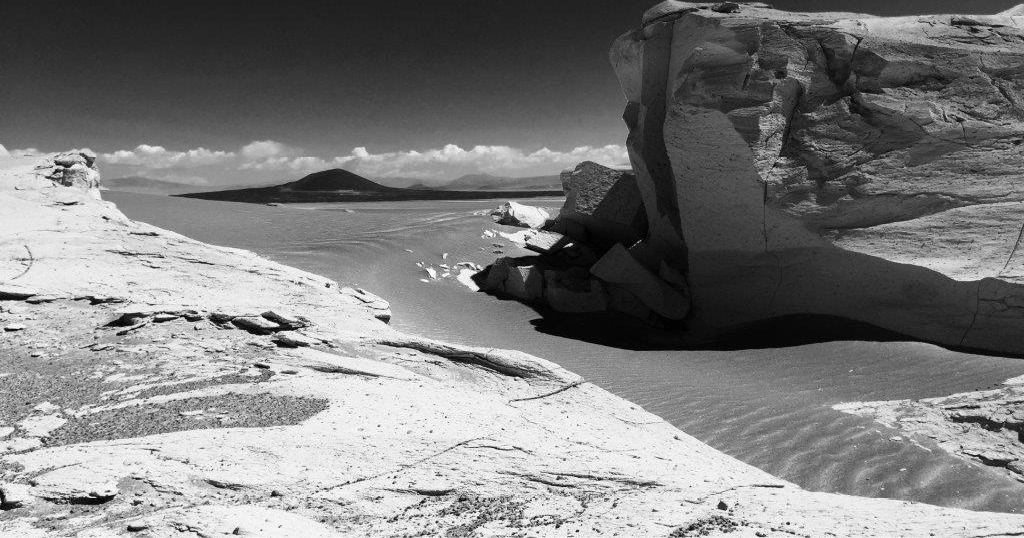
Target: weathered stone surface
x: 294, y: 339
x: 381, y: 309
x: 618, y: 267
x: 516, y: 214
x: 545, y: 242
x: 257, y: 324
x: 605, y: 202
x: 285, y: 319
x: 15, y: 495
x: 510, y: 277
x: 829, y: 163
x: 76, y: 169
x: 10, y: 292
x: 984, y: 426
x: 572, y: 291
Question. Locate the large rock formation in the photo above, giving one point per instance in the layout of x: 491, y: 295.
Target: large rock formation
x: 835, y: 164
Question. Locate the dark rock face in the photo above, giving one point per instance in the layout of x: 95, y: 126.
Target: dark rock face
x: 605, y: 202
x: 832, y: 164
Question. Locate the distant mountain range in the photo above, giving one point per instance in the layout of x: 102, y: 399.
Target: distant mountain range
x: 339, y: 185
x: 148, y: 185
x: 145, y: 185
x: 474, y: 182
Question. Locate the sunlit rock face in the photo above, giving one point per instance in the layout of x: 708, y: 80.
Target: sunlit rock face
x: 836, y: 164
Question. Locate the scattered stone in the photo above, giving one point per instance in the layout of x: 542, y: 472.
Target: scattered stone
x: 294, y: 339
x: 160, y: 318
x: 286, y: 319
x: 15, y: 327
x: 516, y: 214
x: 546, y: 242
x: 223, y: 317
x: 15, y: 495
x: 137, y: 527
x: 46, y: 407
x: 726, y: 7
x: 255, y: 324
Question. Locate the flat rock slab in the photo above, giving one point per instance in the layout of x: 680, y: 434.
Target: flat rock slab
x: 546, y: 242
x: 322, y: 361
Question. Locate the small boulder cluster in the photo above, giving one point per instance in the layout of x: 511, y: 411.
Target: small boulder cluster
x: 76, y: 169
x: 589, y: 258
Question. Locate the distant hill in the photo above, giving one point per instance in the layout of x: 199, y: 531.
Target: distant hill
x: 471, y: 182
x: 343, y: 186
x: 336, y: 180
x: 145, y: 185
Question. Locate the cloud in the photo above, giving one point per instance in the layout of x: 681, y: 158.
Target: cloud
x: 261, y: 161
x: 24, y: 152
x: 498, y: 160
x: 3, y: 151
x: 266, y: 149
x: 158, y: 157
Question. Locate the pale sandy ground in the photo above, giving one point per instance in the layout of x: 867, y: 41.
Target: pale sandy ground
x: 175, y: 420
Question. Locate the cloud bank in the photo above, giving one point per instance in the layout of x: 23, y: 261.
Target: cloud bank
x: 263, y: 161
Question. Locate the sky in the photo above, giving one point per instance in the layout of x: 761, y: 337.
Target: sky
x: 232, y: 92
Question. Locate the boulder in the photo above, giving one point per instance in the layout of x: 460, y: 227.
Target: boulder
x: 618, y: 267
x: 516, y: 214
x: 15, y: 495
x: 255, y: 324
x: 605, y: 202
x: 515, y: 278
x: 574, y: 291
x: 545, y: 242
x: 832, y: 164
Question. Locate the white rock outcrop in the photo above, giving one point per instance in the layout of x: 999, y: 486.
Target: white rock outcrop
x: 516, y: 214
x: 835, y: 164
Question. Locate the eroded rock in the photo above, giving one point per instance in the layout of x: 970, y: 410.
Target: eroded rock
x: 862, y: 167
x: 516, y: 214
x: 605, y: 202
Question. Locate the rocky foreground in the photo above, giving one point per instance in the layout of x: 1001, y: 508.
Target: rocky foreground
x: 158, y: 386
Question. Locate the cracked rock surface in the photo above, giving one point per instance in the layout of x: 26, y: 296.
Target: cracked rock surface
x: 134, y: 404
x: 835, y: 164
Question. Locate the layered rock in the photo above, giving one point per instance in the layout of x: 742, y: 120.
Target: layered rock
x: 75, y: 169
x: 583, y: 264
x: 834, y: 164
x: 984, y: 427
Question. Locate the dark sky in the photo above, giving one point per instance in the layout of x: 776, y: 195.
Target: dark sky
x: 328, y: 75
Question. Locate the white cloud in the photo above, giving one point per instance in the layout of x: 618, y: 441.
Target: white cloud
x: 498, y: 160
x: 158, y: 157
x: 24, y: 152
x: 266, y: 149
